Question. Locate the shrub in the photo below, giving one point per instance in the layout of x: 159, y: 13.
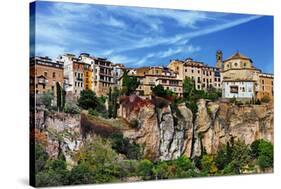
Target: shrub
x: 122, y: 145
x: 47, y: 99
x: 145, y: 169
x: 93, y: 112
x: 263, y: 151
x: 71, y: 108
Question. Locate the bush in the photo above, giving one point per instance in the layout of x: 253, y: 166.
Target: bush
x: 41, y: 157
x: 122, y: 145
x: 263, y: 151
x: 47, y: 99
x: 71, y: 108
x: 93, y: 112
x: 145, y: 169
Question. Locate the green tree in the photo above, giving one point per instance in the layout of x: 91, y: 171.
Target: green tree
x: 47, y: 99
x: 208, y: 164
x: 145, y: 169
x: 59, y: 97
x: 41, y: 157
x: 130, y: 84
x: 263, y: 151
x: 88, y: 99
x: 82, y: 174
x: 188, y: 88
x: 101, y: 159
x: 161, y: 170
x: 71, y: 108
x: 54, y: 174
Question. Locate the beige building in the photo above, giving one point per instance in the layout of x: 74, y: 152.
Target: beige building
x: 150, y: 77
x: 266, y: 87
x: 239, y: 72
x: 203, y: 76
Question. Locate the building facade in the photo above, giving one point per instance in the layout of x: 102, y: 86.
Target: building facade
x: 204, y: 76
x: 45, y: 74
x: 265, y: 86
x: 103, y: 76
x: 239, y: 89
x: 150, y: 77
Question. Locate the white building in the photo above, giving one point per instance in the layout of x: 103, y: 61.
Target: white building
x: 242, y: 89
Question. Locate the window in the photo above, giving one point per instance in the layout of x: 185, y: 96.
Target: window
x: 199, y: 71
x: 75, y: 74
x: 262, y: 81
x: 234, y: 89
x: 53, y: 88
x: 198, y: 80
x: 54, y: 74
x: 185, y: 70
x: 192, y: 71
x: 245, y: 65
x: 45, y: 74
x: 235, y: 64
x: 44, y: 87
x: 198, y: 86
x: 203, y: 79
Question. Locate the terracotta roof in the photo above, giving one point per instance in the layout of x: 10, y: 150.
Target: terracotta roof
x: 238, y: 55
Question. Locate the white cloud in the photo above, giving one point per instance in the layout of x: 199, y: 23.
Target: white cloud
x: 49, y: 50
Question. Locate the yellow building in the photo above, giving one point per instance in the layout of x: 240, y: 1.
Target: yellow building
x: 88, y: 77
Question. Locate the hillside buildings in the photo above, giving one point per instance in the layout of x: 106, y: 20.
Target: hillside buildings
x: 235, y: 76
x: 45, y: 74
x: 150, y: 77
x: 240, y: 79
x: 204, y: 76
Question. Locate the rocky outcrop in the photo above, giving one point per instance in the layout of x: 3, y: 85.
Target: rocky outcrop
x: 217, y: 123
x: 62, y: 133
x: 166, y: 133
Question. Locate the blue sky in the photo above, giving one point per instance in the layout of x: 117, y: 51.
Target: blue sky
x: 144, y: 36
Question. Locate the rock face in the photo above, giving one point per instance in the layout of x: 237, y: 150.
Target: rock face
x: 167, y: 133
x: 62, y: 132
x: 164, y: 134
x: 224, y: 121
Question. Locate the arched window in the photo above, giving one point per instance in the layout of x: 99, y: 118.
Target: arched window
x: 235, y: 64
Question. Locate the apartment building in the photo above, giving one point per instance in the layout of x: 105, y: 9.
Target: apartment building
x: 103, y: 76
x: 204, y: 76
x: 73, y: 74
x: 45, y: 74
x: 150, y: 77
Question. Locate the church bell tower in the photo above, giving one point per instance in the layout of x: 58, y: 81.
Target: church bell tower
x: 219, y: 63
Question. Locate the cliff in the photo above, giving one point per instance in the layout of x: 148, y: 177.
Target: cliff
x: 166, y: 132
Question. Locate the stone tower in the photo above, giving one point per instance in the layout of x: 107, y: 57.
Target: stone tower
x: 219, y: 63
